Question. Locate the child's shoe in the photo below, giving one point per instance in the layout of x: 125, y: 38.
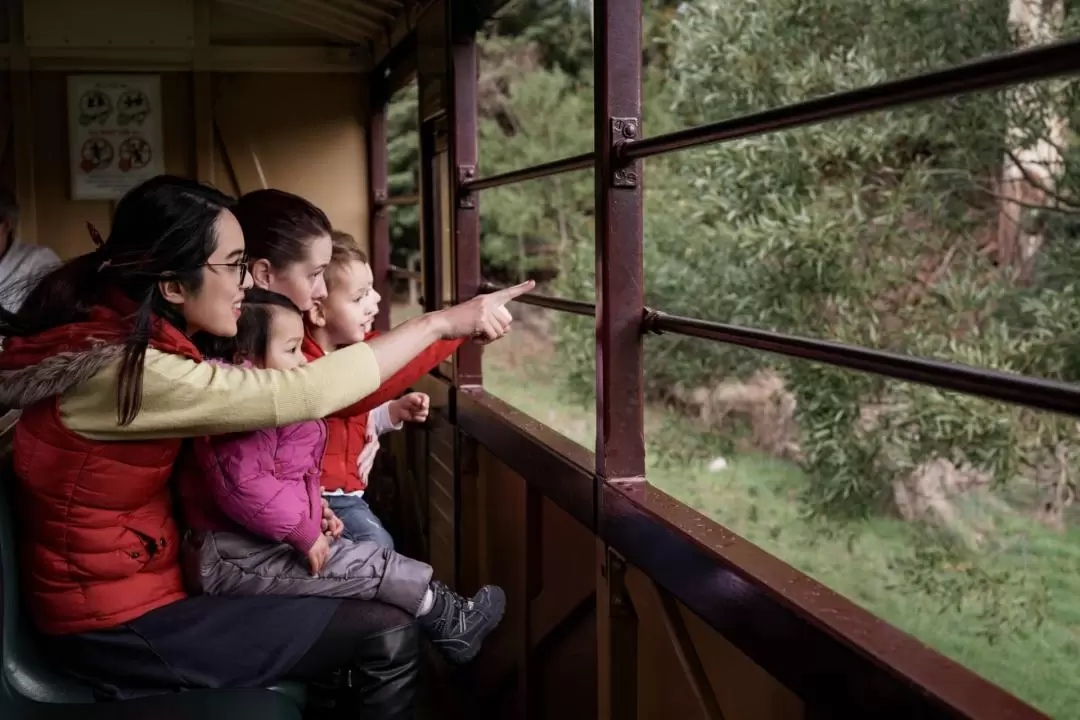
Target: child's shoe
x: 458, y: 626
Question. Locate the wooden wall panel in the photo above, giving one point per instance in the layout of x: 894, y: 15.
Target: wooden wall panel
x: 504, y: 563
x: 308, y: 131
x: 7, y: 154
x: 441, y: 512
x: 303, y: 133
x: 543, y: 661
x: 731, y: 687
x: 61, y: 222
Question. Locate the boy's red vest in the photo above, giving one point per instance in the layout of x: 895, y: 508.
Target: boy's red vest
x: 347, y: 429
x: 99, y: 541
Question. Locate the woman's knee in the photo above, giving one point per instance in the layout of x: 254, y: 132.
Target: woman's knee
x: 397, y: 647
x: 380, y: 634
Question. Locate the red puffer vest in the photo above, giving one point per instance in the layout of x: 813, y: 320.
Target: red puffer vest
x: 99, y: 540
x: 347, y: 429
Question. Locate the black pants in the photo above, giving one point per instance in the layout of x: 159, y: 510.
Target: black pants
x: 372, y: 669
x: 215, y: 641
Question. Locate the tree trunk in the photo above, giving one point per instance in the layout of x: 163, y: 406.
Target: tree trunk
x: 1033, y: 158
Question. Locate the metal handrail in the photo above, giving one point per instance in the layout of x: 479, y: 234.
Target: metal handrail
x: 396, y: 271
x: 1007, y: 387
x: 1000, y: 71
x: 992, y: 384
x: 997, y: 72
x: 566, y: 305
x: 555, y: 167
x: 400, y: 201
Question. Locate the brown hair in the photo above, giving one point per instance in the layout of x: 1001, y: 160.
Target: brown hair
x: 279, y: 226
x: 345, y: 250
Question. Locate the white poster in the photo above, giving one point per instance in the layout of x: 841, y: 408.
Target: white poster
x: 114, y: 124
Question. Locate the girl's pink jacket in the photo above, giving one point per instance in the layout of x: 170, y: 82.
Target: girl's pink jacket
x: 264, y: 482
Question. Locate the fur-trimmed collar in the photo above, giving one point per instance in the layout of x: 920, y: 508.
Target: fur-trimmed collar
x: 54, y: 375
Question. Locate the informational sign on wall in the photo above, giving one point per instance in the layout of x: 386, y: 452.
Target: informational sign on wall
x: 114, y: 124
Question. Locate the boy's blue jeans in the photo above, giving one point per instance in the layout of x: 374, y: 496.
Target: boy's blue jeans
x: 360, y: 522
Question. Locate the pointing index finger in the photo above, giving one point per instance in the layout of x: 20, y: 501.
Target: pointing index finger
x: 507, y: 294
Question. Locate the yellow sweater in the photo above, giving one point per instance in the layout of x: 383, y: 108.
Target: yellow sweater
x: 183, y: 398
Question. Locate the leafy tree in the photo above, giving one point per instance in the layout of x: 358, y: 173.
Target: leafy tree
x: 403, y: 160
x: 871, y: 231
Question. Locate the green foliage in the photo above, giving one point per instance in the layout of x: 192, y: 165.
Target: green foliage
x: 403, y: 161
x: 871, y: 231
x: 528, y: 229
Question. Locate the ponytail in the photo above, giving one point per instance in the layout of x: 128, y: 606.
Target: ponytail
x: 64, y: 295
x: 163, y: 228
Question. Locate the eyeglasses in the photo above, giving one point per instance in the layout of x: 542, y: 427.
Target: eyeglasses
x: 240, y: 267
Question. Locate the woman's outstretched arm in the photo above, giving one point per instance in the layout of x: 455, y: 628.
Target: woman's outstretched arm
x: 183, y: 398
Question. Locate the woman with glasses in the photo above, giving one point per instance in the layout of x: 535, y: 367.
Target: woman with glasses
x: 100, y: 361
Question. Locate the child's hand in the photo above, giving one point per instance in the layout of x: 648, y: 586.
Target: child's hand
x: 336, y: 527
x: 366, y: 460
x: 331, y: 524
x: 410, y: 408
x: 318, y: 555
x: 324, y: 524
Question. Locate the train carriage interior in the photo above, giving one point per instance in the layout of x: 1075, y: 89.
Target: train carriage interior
x: 789, y: 427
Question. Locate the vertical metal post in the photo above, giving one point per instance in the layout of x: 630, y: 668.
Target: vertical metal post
x: 430, y: 224
x: 617, y: 630
x: 620, y: 415
x: 379, y: 230
x: 468, y: 370
x: 620, y: 441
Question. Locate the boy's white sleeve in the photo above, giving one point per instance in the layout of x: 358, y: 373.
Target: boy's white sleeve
x: 379, y: 420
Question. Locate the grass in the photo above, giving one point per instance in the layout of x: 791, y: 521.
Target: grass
x: 1010, y: 612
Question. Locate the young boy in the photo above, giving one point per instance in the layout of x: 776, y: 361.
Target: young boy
x: 345, y: 317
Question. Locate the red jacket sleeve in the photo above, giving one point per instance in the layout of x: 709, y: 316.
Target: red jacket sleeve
x: 404, y: 378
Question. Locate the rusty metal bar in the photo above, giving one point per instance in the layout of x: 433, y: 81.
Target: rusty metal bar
x: 555, y: 167
x: 401, y: 273
x: 379, y: 228
x: 996, y: 72
x: 466, y: 250
x: 620, y: 408
x: 618, y: 628
x: 401, y: 201
x: 577, y: 307
x: 991, y: 384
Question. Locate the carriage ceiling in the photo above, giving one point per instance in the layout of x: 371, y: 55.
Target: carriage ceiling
x: 227, y: 35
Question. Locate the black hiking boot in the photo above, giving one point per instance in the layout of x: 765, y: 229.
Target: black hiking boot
x: 458, y: 626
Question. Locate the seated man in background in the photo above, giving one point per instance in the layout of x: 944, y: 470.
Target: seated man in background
x: 20, y: 264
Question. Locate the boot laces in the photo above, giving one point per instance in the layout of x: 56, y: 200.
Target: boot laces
x: 462, y: 605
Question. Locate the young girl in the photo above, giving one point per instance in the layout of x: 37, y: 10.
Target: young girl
x: 343, y: 318
x: 255, y: 510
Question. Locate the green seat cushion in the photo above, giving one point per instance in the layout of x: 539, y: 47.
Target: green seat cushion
x: 295, y: 691
x: 243, y: 704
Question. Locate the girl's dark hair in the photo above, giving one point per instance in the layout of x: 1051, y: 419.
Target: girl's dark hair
x: 252, y: 337
x: 279, y: 226
x: 162, y: 229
